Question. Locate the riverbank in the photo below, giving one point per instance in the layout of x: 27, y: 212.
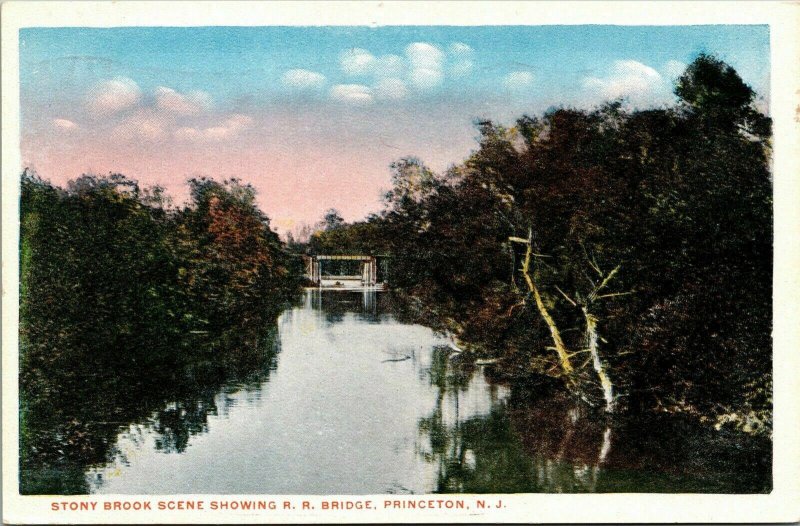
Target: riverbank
x: 345, y: 397
x: 126, y: 303
x: 511, y: 367
x: 627, y: 252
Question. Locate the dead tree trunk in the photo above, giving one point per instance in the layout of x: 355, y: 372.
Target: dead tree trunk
x: 558, y: 342
x: 591, y: 333
x: 591, y: 344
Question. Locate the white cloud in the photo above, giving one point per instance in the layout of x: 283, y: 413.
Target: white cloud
x: 144, y: 125
x: 424, y: 55
x: 360, y: 62
x: 425, y: 78
x: 461, y: 59
x: 461, y: 68
x: 640, y: 84
x: 303, y: 79
x: 230, y: 127
x: 390, y: 66
x: 518, y: 80
x: 65, y: 124
x: 352, y: 94
x: 459, y: 49
x: 673, y: 69
x: 426, y: 62
x: 192, y: 103
x: 423, y: 68
x: 227, y: 129
x: 111, y: 96
x: 391, y: 89
x: 357, y: 61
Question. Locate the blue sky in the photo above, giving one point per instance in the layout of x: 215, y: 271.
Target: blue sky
x: 329, y: 107
x: 236, y: 62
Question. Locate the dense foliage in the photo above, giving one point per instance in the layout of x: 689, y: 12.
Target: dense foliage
x: 126, y: 300
x: 627, y: 255
x: 648, y: 237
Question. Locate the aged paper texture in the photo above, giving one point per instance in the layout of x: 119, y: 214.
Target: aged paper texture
x: 330, y: 262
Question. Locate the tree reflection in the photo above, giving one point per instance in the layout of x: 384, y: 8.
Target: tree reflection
x: 181, y: 420
x: 367, y: 305
x: 486, y: 453
x: 567, y: 444
x: 469, y: 447
x: 548, y: 443
x: 68, y: 431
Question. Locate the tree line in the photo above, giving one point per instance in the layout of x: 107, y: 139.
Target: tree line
x: 129, y: 303
x: 623, y: 257
x: 625, y: 254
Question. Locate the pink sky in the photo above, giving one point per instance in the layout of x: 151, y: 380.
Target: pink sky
x: 301, y: 160
x: 313, y: 116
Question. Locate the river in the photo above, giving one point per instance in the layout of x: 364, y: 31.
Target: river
x: 353, y: 401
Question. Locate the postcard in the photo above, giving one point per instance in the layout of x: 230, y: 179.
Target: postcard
x: 400, y: 262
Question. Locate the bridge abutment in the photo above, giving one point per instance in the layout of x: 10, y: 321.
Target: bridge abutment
x: 367, y: 277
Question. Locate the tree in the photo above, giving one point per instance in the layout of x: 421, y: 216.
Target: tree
x: 332, y: 219
x: 716, y: 92
x: 650, y: 253
x: 229, y: 248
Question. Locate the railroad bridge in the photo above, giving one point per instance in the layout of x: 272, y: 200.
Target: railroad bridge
x: 346, y: 271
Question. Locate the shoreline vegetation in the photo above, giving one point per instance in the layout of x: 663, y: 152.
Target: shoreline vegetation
x: 129, y: 307
x: 625, y: 254
x: 621, y: 257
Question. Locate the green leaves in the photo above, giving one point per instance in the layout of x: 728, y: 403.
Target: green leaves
x: 720, y: 99
x: 678, y: 198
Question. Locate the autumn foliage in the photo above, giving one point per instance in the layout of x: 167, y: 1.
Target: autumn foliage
x: 128, y: 302
x: 650, y: 233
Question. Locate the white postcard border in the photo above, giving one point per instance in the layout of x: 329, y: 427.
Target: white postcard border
x: 783, y: 504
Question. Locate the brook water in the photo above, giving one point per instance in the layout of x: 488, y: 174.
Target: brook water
x: 352, y: 401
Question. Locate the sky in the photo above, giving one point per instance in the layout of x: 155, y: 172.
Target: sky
x: 313, y: 116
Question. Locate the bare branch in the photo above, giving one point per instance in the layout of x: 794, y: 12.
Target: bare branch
x: 595, y: 267
x: 591, y: 261
x: 560, y: 348
x: 566, y: 297
x: 579, y: 352
x: 511, y: 309
x: 611, y: 295
x: 605, y: 282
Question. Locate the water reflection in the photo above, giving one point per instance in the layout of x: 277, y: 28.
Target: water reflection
x: 337, y: 396
x: 340, y: 414
x: 72, y: 430
x: 458, y: 414
x: 369, y: 304
x: 535, y: 444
